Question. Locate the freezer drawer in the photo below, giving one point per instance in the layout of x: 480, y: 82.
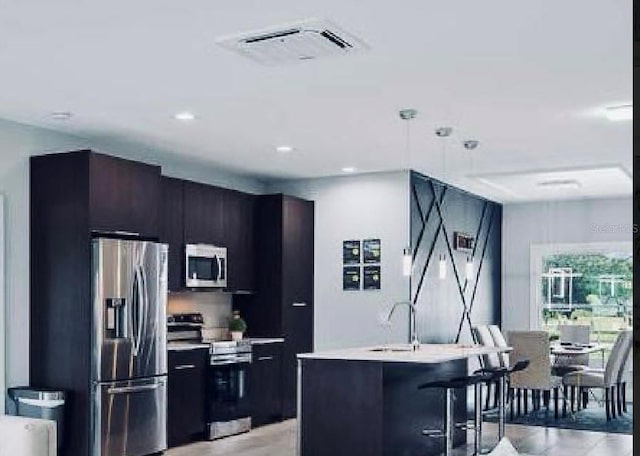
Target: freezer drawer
x: 130, y: 417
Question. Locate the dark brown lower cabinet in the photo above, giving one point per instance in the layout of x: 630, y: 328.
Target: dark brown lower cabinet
x: 186, y: 408
x: 266, y: 384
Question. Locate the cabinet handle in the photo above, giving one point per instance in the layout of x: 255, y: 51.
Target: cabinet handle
x: 299, y: 304
x: 185, y: 366
x: 126, y: 233
x: 265, y: 358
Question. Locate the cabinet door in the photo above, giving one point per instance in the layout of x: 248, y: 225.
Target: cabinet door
x: 172, y: 229
x: 266, y: 394
x: 203, y: 214
x: 124, y: 196
x: 186, y: 404
x: 238, y: 234
x: 298, y: 339
x: 297, y: 253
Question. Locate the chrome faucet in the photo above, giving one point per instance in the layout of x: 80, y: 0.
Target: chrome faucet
x: 415, y: 341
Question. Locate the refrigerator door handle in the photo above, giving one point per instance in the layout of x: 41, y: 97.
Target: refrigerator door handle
x: 144, y: 309
x: 137, y: 309
x: 133, y: 389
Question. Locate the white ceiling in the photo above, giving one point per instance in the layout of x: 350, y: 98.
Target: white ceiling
x: 527, y: 79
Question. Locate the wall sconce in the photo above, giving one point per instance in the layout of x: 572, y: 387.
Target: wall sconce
x: 442, y: 267
x: 407, y: 262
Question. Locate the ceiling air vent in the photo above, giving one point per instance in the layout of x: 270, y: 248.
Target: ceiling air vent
x: 301, y: 41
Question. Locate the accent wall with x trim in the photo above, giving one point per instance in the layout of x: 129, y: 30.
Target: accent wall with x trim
x: 452, y: 296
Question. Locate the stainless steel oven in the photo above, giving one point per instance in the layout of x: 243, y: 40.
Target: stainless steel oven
x: 229, y: 407
x: 206, y: 266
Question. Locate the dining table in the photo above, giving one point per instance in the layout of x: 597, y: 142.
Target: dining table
x: 564, y: 353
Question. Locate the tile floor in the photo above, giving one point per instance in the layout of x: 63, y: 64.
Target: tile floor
x: 279, y: 440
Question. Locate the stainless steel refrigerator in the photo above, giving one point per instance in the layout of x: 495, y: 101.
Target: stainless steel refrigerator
x: 129, y: 353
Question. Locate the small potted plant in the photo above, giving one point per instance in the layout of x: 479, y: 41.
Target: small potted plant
x: 237, y: 326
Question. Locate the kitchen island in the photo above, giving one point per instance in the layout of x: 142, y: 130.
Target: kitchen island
x: 366, y: 400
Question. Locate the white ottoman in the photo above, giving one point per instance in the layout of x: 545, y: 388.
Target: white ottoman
x: 27, y: 436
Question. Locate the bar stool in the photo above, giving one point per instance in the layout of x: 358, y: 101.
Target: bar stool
x: 449, y: 386
x: 500, y: 375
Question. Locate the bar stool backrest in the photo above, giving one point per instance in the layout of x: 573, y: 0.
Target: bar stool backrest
x: 534, y: 346
x: 484, y: 337
x: 500, y: 341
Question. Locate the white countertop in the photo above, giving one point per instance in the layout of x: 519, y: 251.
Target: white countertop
x: 428, y: 353
x: 181, y: 346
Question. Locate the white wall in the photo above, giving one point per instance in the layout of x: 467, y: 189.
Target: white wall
x: 17, y: 143
x: 357, y: 207
x: 584, y: 221
x: 2, y: 294
x: 214, y: 307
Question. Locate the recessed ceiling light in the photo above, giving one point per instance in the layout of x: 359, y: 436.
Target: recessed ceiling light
x: 284, y: 149
x: 349, y: 169
x: 61, y: 115
x: 185, y: 116
x: 560, y: 183
x: 616, y: 113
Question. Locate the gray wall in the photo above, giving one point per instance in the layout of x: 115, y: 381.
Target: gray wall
x: 559, y: 222
x: 357, y: 207
x: 17, y: 143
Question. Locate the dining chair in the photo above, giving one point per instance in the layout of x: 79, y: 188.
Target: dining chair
x: 500, y: 341
x: 490, y: 361
x: 576, y: 334
x: 537, y: 377
x: 621, y: 381
x: 604, y: 378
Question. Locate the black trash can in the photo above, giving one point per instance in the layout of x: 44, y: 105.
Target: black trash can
x: 42, y: 403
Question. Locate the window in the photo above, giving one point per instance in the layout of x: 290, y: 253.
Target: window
x: 583, y: 284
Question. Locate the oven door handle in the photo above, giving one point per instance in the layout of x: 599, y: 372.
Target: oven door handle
x: 230, y: 361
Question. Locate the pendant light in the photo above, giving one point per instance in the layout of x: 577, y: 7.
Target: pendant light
x: 470, y: 145
x: 442, y: 267
x: 443, y: 133
x: 407, y: 255
x: 407, y: 262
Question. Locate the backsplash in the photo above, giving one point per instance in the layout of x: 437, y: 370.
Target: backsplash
x: 214, y: 307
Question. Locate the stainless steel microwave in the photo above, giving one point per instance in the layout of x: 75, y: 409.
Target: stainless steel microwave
x: 206, y: 266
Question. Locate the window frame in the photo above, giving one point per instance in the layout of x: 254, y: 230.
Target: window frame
x: 538, y: 251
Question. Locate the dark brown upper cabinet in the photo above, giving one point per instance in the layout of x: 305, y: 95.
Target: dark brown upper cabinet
x: 123, y: 195
x: 172, y: 229
x: 194, y: 213
x: 238, y: 239
x: 203, y: 214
